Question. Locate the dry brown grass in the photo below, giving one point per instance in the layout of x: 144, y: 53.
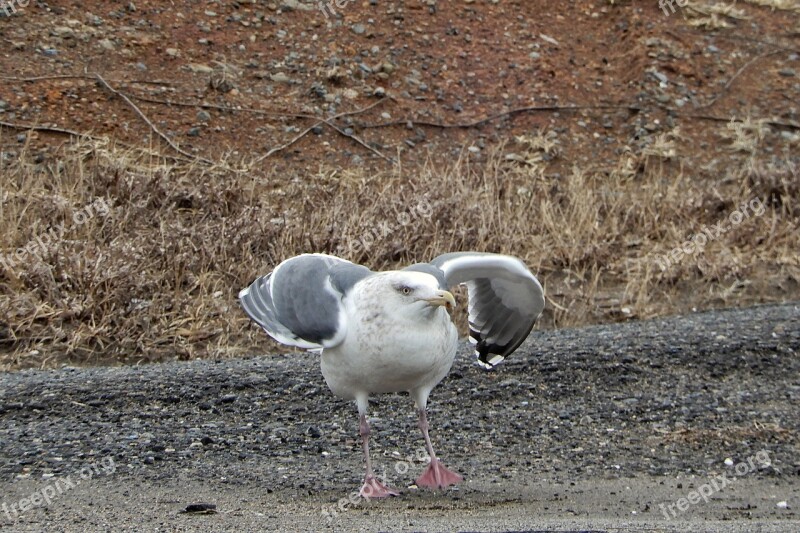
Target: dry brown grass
x: 783, y: 5
x: 713, y: 15
x: 156, y: 277
x: 716, y: 15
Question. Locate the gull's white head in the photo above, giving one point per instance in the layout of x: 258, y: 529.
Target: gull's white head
x: 414, y: 295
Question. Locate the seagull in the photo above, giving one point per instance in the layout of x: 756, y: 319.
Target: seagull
x: 381, y: 332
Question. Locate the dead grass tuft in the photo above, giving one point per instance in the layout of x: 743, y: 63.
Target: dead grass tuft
x: 745, y: 136
x: 715, y: 15
x: 783, y: 5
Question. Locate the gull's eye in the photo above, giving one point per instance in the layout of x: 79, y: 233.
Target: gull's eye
x: 405, y: 290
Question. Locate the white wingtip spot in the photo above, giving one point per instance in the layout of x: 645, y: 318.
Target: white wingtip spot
x: 483, y: 365
x: 491, y: 363
x: 496, y: 360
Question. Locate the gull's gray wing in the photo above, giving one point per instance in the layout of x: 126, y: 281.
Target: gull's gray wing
x: 300, y: 302
x: 505, y: 299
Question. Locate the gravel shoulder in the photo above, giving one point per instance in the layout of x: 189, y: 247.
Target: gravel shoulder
x: 599, y: 428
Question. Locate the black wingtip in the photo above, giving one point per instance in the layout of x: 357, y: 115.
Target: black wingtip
x: 486, y: 354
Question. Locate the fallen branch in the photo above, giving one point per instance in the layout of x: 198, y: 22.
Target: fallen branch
x: 46, y: 129
x: 84, y: 135
x: 321, y: 121
x: 217, y: 107
x: 736, y: 75
x: 275, y: 114
x: 149, y: 123
x: 503, y: 114
x: 80, y: 77
x: 359, y: 141
x: 288, y: 144
x: 631, y: 108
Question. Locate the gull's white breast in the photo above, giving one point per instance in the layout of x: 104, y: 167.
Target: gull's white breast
x: 389, y: 352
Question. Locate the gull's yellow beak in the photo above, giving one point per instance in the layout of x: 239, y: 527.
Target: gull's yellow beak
x: 443, y: 298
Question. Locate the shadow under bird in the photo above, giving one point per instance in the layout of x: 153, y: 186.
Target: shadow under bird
x: 381, y: 332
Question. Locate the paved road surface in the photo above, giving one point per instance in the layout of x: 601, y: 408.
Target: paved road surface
x: 622, y: 427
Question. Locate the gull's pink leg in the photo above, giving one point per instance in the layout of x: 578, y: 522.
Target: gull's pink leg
x: 435, y: 476
x: 372, y: 488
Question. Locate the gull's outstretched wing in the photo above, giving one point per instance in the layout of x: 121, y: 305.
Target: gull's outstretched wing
x: 300, y: 302
x: 505, y: 300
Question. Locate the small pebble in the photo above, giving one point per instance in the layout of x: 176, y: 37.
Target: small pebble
x: 662, y: 78
x: 106, y: 44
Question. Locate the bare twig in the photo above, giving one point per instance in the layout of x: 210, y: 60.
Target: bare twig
x: 50, y: 77
x: 276, y: 114
x: 380, y: 125
x: 149, y: 123
x: 147, y: 82
x: 359, y: 141
x: 503, y: 114
x: 80, y: 77
x: 46, y: 129
x: 78, y: 134
x: 633, y: 108
x: 228, y: 109
x: 736, y: 75
x: 288, y: 144
x: 327, y: 121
